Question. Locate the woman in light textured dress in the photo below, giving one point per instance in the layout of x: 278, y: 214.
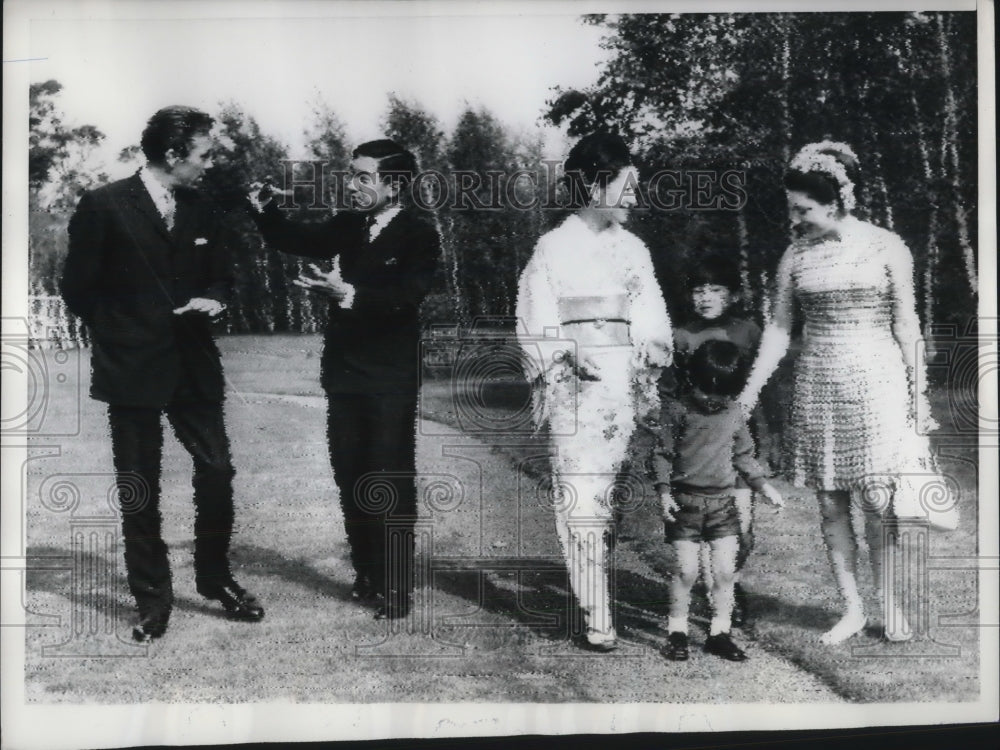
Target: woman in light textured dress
x: 594, y: 325
x: 854, y: 408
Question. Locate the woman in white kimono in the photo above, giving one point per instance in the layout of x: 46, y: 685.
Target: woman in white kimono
x: 593, y: 324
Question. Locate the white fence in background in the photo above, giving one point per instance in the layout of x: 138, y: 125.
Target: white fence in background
x: 52, y: 326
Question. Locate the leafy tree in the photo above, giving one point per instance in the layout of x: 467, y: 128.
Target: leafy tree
x: 326, y: 140
x: 715, y: 92
x: 61, y: 166
x: 491, y: 236
x: 265, y: 299
x: 410, y: 125
x: 59, y: 156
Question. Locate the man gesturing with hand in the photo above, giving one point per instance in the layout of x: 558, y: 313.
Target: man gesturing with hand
x: 384, y: 252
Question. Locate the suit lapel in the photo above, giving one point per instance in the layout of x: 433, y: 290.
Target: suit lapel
x: 186, y: 221
x: 141, y: 201
x: 384, y: 246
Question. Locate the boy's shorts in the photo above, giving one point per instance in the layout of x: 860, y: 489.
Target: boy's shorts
x: 703, y: 518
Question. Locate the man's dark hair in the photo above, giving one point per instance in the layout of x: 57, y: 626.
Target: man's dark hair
x: 595, y: 159
x: 173, y: 128
x: 394, y: 161
x: 718, y: 368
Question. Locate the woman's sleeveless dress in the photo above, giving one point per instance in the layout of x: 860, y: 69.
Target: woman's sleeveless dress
x: 850, y: 413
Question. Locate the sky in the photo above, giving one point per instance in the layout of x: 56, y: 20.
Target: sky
x: 116, y: 71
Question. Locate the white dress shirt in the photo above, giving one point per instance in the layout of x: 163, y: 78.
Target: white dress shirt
x: 379, y: 222
x: 163, y: 199
x: 382, y: 220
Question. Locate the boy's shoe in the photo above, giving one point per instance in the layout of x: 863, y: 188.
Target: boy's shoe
x: 676, y: 648
x: 722, y: 645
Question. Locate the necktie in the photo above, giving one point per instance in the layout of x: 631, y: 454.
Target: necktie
x: 170, y: 210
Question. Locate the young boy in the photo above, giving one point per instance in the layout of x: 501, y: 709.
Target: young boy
x: 714, y: 283
x: 704, y: 442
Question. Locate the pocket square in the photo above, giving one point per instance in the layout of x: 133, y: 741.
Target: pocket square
x: 200, y: 241
x: 392, y: 261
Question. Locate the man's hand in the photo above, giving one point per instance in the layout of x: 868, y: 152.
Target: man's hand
x: 773, y: 496
x: 262, y: 193
x: 210, y: 307
x: 331, y: 284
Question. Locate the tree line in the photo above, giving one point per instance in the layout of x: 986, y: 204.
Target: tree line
x: 707, y: 94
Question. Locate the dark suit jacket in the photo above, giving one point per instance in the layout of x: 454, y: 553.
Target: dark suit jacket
x: 124, y: 275
x: 373, y: 347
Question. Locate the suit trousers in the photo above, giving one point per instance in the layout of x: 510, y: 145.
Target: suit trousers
x: 137, y: 445
x: 373, y: 453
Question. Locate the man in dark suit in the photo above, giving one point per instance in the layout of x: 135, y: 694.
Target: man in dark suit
x: 149, y: 266
x: 385, y: 253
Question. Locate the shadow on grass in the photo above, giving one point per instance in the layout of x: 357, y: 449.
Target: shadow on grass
x: 540, y: 602
x: 111, y: 595
x: 263, y: 561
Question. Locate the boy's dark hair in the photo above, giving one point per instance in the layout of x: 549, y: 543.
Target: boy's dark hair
x: 718, y: 368
x: 596, y: 159
x: 394, y: 161
x: 716, y: 269
x: 173, y: 128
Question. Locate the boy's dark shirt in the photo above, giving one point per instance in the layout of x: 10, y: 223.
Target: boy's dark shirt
x: 703, y: 442
x: 688, y: 337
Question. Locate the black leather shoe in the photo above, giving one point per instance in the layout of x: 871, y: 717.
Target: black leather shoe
x: 394, y: 607
x: 238, y: 603
x: 722, y: 645
x: 151, y: 625
x: 677, y: 647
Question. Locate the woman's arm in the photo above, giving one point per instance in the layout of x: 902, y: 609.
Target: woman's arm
x: 776, y: 337
x: 906, y: 326
x: 652, y: 334
x: 537, y: 311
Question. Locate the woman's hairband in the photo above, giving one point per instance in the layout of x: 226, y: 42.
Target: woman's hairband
x: 817, y: 157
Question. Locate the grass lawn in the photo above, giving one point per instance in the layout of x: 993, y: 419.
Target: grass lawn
x: 484, y: 631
